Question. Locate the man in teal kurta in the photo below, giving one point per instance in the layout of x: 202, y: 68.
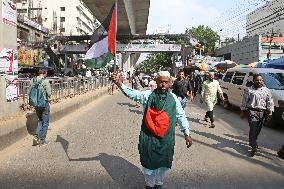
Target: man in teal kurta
x: 162, y: 110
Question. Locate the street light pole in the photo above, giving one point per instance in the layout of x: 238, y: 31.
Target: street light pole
x: 270, y: 40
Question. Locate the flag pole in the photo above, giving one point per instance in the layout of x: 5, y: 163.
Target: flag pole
x: 115, y: 59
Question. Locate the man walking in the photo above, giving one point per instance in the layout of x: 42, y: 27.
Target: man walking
x: 43, y: 112
x: 162, y: 110
x: 182, y: 89
x: 194, y: 84
x: 136, y: 85
x: 257, y: 100
x: 210, y: 87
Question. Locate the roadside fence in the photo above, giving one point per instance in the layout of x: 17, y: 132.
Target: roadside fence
x: 63, y: 88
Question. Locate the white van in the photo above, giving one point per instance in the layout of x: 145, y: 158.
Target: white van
x: 235, y: 80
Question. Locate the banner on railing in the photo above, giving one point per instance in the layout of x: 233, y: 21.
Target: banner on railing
x: 12, y: 88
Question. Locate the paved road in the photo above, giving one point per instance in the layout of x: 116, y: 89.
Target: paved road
x: 96, y: 148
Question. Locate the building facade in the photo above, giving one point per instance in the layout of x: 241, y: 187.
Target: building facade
x: 65, y: 17
x: 266, y: 20
x: 29, y: 34
x: 253, y: 49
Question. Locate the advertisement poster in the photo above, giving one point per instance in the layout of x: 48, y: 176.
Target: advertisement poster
x: 8, y: 61
x: 29, y: 56
x: 12, y: 88
x: 9, y: 12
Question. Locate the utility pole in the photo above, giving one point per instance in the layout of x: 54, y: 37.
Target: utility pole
x: 270, y: 40
x: 183, y: 54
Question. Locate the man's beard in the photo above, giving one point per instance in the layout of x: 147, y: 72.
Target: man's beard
x: 211, y: 79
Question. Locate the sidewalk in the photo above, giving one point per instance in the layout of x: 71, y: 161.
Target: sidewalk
x: 25, y: 123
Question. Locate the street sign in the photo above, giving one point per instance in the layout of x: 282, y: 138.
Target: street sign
x: 148, y: 48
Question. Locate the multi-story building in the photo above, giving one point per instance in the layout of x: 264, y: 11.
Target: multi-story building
x: 264, y: 40
x: 30, y: 33
x: 66, y: 17
x: 266, y: 20
x: 253, y: 49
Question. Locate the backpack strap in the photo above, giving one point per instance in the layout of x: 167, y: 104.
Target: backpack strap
x: 37, y: 82
x: 40, y: 81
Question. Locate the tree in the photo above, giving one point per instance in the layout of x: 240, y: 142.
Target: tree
x: 155, y: 62
x: 205, y: 35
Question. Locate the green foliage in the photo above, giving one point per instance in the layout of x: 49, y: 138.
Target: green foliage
x: 205, y: 35
x: 155, y: 62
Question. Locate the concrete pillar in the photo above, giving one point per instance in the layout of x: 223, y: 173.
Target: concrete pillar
x: 129, y: 61
x: 8, y: 39
x: 125, y: 61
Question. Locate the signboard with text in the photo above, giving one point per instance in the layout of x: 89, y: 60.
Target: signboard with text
x: 9, y: 12
x: 148, y: 48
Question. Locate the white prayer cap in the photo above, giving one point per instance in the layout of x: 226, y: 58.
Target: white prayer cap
x: 164, y: 74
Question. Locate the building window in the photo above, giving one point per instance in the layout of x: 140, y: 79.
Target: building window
x: 62, y: 19
x: 62, y: 8
x: 62, y: 30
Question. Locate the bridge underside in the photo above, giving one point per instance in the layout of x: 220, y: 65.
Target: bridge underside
x: 132, y: 18
x: 132, y: 14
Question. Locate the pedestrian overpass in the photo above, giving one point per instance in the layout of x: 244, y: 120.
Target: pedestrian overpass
x: 125, y: 51
x: 132, y: 20
x: 129, y: 46
x: 126, y: 48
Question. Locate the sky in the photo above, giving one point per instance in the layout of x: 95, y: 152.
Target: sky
x: 182, y: 14
x: 226, y: 17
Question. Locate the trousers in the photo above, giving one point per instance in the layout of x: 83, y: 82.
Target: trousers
x: 43, y: 115
x: 209, y: 114
x: 255, y: 119
x: 155, y: 178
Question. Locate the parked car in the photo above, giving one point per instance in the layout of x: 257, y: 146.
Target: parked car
x: 235, y: 80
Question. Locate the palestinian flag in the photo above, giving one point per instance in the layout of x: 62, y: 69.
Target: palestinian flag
x: 103, y: 40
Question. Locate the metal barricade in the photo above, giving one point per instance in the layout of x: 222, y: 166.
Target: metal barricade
x: 63, y: 88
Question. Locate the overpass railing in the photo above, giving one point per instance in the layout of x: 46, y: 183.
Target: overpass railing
x: 63, y: 88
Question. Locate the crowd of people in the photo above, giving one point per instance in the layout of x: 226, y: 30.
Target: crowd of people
x: 163, y: 104
x: 164, y: 108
